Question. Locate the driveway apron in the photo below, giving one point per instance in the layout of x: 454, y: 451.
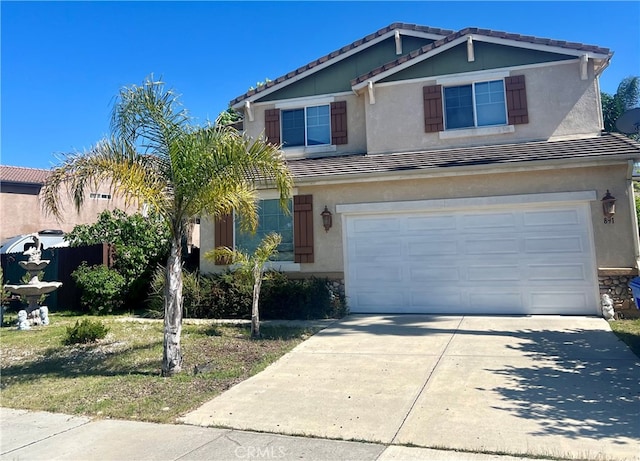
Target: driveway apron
x: 543, y: 385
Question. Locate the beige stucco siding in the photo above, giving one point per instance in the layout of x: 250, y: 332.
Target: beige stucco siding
x: 23, y: 214
x: 395, y: 123
x: 612, y: 241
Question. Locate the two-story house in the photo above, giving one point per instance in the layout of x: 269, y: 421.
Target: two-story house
x: 441, y: 171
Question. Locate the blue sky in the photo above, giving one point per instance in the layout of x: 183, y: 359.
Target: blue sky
x: 63, y: 62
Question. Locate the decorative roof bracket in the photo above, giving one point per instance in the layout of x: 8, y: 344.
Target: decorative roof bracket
x: 398, y: 43
x: 248, y: 110
x: 470, y: 55
x: 584, y: 60
x: 372, y: 95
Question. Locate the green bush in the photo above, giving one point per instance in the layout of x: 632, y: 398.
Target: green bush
x: 226, y: 295
x: 85, y: 331
x: 101, y: 288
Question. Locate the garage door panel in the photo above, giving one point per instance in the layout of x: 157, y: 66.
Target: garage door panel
x: 375, y: 225
x: 494, y: 273
x: 512, y: 261
x: 481, y: 223
x: 420, y: 248
x: 563, y: 244
x: 559, y: 301
x: 431, y: 224
x: 561, y: 217
x: 556, y: 272
x: 428, y: 274
x: 492, y: 246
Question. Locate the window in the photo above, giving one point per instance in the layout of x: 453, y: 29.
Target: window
x: 271, y: 218
x: 477, y: 104
x: 310, y: 126
x: 100, y: 196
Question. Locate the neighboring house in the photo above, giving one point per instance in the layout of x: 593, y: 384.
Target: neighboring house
x: 464, y: 172
x: 20, y: 206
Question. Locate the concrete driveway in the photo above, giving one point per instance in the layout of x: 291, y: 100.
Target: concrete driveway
x: 547, y: 386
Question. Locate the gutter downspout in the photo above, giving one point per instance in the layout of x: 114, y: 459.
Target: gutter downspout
x: 634, y: 217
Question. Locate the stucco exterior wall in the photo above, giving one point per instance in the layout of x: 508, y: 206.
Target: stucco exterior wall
x: 612, y: 241
x: 560, y: 104
x: 22, y: 214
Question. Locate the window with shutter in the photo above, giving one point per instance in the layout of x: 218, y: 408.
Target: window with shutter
x: 308, y: 126
x: 303, y: 228
x: 516, y: 100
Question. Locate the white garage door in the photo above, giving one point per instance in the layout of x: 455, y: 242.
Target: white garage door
x: 533, y: 260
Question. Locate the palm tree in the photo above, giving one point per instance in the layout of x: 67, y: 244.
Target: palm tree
x: 157, y: 157
x: 613, y: 106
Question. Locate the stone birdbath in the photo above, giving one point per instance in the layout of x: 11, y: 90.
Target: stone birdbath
x: 32, y: 291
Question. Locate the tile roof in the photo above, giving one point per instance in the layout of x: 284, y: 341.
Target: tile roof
x: 447, y: 36
x: 607, y: 146
x: 341, y: 51
x: 23, y: 175
x: 486, y: 33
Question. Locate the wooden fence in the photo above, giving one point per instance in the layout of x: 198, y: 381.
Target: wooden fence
x: 63, y: 261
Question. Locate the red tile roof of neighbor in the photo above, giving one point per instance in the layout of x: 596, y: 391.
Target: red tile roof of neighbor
x: 23, y: 175
x: 612, y: 146
x: 446, y: 37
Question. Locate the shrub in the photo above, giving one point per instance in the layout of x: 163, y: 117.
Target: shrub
x: 140, y: 244
x: 85, y: 331
x: 227, y: 295
x: 101, y: 288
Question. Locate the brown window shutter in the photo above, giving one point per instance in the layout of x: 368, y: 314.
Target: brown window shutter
x: 272, y: 125
x: 223, y: 235
x: 303, y: 228
x: 433, y: 118
x: 516, y: 92
x: 339, y: 122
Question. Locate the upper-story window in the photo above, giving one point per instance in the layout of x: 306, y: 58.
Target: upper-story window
x: 491, y: 106
x: 477, y: 104
x: 310, y: 126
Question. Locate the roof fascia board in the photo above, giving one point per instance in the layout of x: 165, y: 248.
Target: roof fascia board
x: 520, y: 167
x: 480, y: 38
x: 537, y: 46
x: 477, y: 74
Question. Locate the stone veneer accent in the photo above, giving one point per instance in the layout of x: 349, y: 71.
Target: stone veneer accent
x: 615, y: 283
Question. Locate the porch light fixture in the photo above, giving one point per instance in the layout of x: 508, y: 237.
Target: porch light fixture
x: 327, y: 220
x: 608, y: 207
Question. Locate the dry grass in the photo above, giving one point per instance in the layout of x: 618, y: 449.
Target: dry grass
x: 119, y: 377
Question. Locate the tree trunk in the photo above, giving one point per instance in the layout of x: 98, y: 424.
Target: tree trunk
x: 255, y: 313
x: 172, y: 356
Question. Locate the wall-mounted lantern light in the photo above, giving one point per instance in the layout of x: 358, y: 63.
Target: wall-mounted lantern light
x: 608, y: 207
x: 327, y: 221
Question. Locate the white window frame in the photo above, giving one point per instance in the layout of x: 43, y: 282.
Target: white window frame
x: 306, y: 127
x: 474, y: 105
x: 303, y: 103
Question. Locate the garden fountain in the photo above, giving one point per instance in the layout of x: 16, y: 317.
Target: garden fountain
x: 34, y: 289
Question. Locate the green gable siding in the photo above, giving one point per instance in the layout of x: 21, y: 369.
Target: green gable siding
x: 487, y: 56
x: 337, y: 77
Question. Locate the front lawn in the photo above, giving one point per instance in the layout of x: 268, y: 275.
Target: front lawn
x: 629, y: 332
x: 119, y: 377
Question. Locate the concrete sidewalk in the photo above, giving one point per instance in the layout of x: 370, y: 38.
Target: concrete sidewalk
x: 48, y: 436
x: 547, y: 386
